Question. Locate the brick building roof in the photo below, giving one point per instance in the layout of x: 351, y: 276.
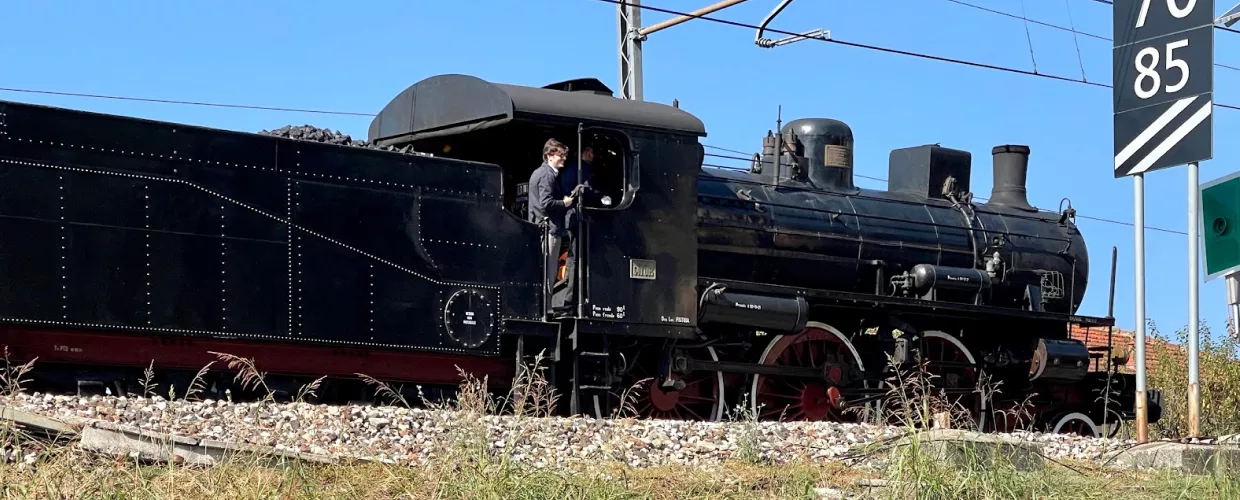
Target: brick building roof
x: 1122, y: 341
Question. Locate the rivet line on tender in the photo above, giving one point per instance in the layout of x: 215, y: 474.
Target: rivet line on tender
x: 421, y: 232
x: 463, y: 243
x: 223, y: 270
x: 174, y: 156
x: 534, y: 288
x: 141, y: 154
x: 64, y: 251
x: 372, y: 301
x: 255, y: 210
x: 496, y: 310
x: 297, y: 242
x: 289, y: 205
x: 146, y: 201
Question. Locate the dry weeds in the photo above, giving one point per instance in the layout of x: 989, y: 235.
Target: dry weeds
x: 468, y: 467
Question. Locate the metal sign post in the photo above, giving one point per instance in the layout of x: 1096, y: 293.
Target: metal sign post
x: 1194, y: 305
x: 1163, y: 68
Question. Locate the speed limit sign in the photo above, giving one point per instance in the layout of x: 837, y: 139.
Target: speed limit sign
x: 1163, y: 65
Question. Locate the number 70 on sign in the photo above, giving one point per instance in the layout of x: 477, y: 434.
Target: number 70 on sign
x: 1172, y: 7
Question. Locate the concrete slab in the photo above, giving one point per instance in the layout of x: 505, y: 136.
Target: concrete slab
x: 967, y: 448
x: 104, y: 437
x: 48, y: 426
x: 1189, y: 458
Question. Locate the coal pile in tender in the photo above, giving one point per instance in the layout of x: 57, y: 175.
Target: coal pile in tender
x: 327, y: 136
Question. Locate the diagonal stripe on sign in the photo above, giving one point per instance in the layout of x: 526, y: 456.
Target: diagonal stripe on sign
x: 1145, y: 136
x: 1175, y: 137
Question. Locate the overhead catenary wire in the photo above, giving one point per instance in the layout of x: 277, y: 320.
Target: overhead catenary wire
x: 1074, y: 31
x: 889, y: 50
x: 1075, y: 40
x: 174, y: 101
x: 1029, y: 37
x: 1223, y: 28
x: 1034, y: 21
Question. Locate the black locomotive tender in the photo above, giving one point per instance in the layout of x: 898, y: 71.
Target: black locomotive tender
x: 129, y: 240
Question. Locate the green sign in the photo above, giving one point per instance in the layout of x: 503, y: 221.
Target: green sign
x: 1220, y: 225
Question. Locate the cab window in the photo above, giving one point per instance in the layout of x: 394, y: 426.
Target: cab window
x: 517, y: 148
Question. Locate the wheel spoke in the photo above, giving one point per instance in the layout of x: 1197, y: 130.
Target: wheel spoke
x: 704, y: 399
x: 938, y: 347
x: 794, y: 385
x: 793, y: 397
x: 699, y: 399
x: 814, y: 347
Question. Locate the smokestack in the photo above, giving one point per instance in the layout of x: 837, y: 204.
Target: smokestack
x: 1011, y: 167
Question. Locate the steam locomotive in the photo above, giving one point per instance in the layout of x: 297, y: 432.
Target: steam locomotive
x: 132, y: 244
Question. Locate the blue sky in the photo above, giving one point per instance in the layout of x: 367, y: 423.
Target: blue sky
x: 325, y: 55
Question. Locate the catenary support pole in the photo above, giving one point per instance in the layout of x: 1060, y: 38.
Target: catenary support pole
x: 1194, y: 387
x: 629, y: 17
x: 1138, y: 257
x: 632, y: 35
x: 692, y: 15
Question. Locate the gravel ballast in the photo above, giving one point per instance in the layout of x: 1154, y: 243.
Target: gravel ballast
x: 403, y: 435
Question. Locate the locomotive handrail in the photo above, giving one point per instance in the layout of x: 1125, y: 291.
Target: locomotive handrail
x: 860, y: 195
x: 578, y: 246
x: 868, y: 301
x: 894, y: 219
x: 545, y: 224
x: 633, y: 178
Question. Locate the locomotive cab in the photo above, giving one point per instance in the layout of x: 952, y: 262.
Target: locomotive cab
x: 632, y: 232
x: 607, y: 177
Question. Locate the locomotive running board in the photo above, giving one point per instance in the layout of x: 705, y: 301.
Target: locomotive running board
x: 868, y: 301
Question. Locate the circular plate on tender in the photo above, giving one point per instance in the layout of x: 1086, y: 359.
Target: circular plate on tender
x: 468, y: 318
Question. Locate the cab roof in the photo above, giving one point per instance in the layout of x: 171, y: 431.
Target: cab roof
x: 455, y: 104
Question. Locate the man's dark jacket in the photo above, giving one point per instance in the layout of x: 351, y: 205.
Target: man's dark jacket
x: 568, y: 178
x: 547, y: 199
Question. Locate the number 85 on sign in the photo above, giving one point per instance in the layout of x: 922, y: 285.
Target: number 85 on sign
x: 1163, y: 82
